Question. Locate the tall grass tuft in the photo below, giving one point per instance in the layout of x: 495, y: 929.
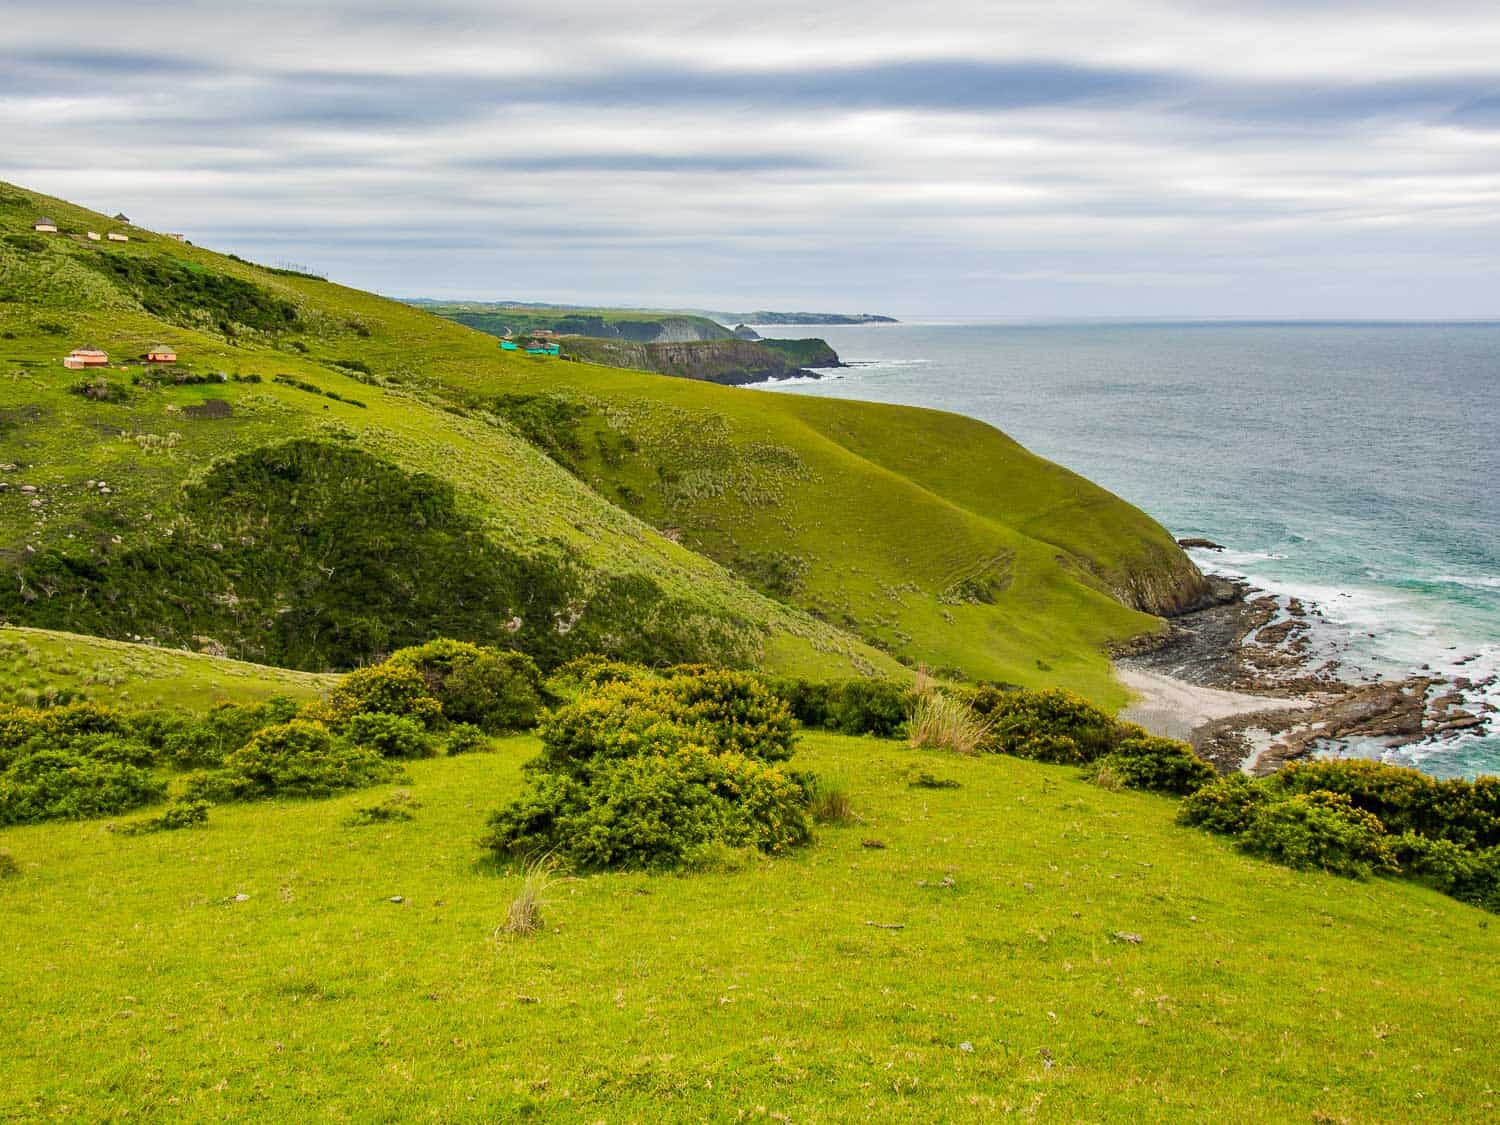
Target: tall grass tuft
x: 525, y: 914
x: 829, y: 803
x: 944, y: 723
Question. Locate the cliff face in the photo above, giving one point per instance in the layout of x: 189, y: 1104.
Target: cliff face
x: 732, y: 362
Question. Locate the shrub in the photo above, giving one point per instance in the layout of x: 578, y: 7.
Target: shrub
x: 64, y: 784
x: 464, y: 738
x: 390, y: 736
x: 1405, y: 800
x: 302, y: 759
x: 642, y: 773
x: 494, y: 689
x: 388, y: 688
x: 398, y: 806
x: 1049, y: 726
x: 1469, y: 876
x: 1161, y: 765
x: 870, y: 706
x: 925, y: 780
x: 651, y: 809
x: 1320, y: 830
x: 9, y: 868
x: 943, y: 722
x: 1227, y: 805
x: 189, y: 813
x: 584, y: 673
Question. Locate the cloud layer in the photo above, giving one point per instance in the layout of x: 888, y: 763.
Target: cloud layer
x: 1267, y: 159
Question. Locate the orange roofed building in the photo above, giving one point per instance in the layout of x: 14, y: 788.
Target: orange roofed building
x: 161, y: 354
x: 86, y: 357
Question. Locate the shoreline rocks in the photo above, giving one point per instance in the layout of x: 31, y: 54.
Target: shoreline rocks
x: 1257, y: 644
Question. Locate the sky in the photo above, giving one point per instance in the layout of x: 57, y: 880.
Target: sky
x: 1320, y: 159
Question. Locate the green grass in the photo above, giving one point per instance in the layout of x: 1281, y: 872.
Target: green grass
x: 37, y: 664
x: 910, y: 535
x: 138, y: 987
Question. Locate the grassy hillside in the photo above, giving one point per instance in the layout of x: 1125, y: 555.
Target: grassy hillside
x: 141, y: 986
x: 930, y: 536
x: 37, y: 665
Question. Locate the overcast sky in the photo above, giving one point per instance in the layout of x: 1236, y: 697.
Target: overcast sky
x: 1115, y: 157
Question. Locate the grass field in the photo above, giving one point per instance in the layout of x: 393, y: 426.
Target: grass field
x: 138, y: 986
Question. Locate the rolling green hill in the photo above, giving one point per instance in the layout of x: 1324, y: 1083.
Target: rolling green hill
x: 326, y: 474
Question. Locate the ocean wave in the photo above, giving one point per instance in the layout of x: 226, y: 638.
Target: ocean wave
x: 1473, y: 582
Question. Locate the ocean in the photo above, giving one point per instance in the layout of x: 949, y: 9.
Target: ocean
x: 1353, y: 465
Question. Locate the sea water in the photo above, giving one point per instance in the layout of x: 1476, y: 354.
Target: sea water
x: 1353, y: 465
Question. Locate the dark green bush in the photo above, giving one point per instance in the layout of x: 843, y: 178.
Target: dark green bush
x: 464, y: 738
x: 1469, y: 876
x: 494, y: 689
x: 1320, y: 830
x: 388, y: 688
x: 643, y: 773
x: 652, y: 809
x: 300, y: 759
x: 1405, y: 800
x: 390, y: 736
x: 871, y: 706
x: 179, y: 814
x: 1049, y: 726
x: 1161, y: 765
x: 1226, y: 806
x: 64, y: 784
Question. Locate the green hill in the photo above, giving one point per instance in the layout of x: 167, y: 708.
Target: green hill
x: 324, y: 475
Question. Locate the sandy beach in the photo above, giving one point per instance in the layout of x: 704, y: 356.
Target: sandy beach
x: 1175, y: 708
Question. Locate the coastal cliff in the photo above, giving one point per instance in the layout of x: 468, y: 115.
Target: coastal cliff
x: 732, y: 362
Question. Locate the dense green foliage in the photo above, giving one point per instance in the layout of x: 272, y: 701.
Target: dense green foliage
x: 1359, y: 818
x: 868, y: 705
x: 647, y: 772
x: 194, y: 297
x: 1160, y: 765
x: 318, y: 555
x: 1049, y: 726
x: 301, y: 759
x: 492, y: 689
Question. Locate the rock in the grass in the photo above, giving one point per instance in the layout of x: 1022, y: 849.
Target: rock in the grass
x: 966, y: 1047
x: 397, y: 899
x: 1133, y: 939
x: 241, y: 897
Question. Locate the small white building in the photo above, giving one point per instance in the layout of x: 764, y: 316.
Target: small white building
x: 116, y: 236
x: 45, y: 225
x: 176, y: 237
x: 93, y: 235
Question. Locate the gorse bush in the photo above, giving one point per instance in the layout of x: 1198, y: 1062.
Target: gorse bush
x: 643, y: 773
x: 301, y: 759
x: 65, y: 784
x: 1048, y: 726
x: 390, y: 736
x: 1360, y: 818
x: 71, y: 762
x: 387, y: 689
x: 493, y: 689
x: 871, y: 706
x: 1320, y: 830
x: 1161, y: 765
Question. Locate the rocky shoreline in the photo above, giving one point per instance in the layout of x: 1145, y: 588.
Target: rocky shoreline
x: 1257, y: 644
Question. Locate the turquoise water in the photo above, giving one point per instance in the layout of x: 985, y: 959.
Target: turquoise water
x: 1352, y: 465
